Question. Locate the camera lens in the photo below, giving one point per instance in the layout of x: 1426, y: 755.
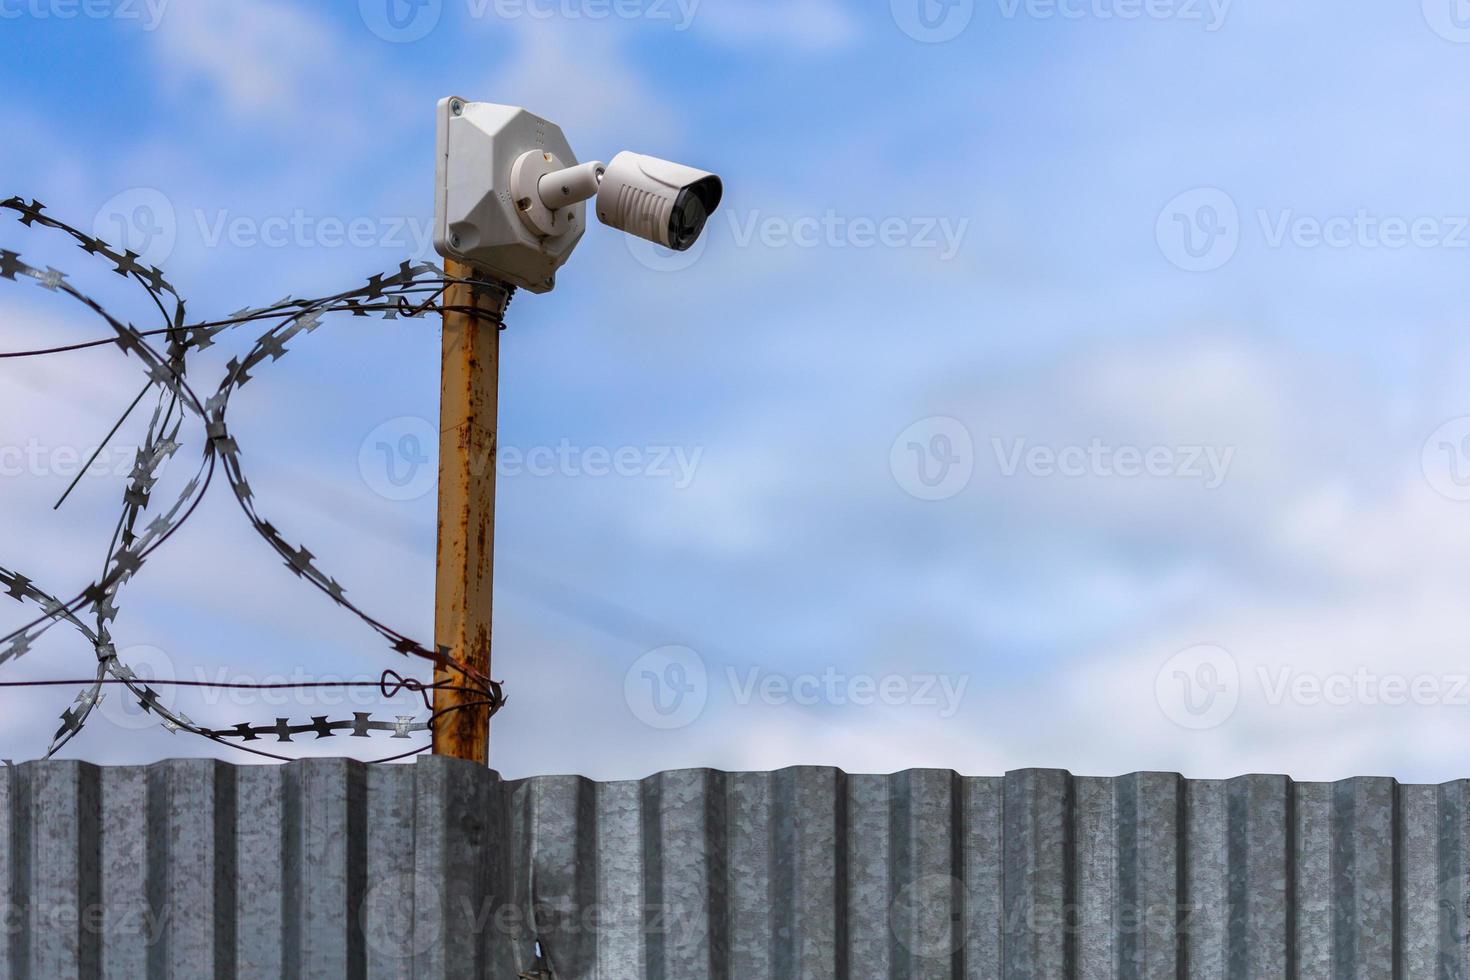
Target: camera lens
x: 691, y: 210
x: 687, y: 221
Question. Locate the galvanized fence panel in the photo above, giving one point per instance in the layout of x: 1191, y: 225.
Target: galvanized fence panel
x: 327, y: 868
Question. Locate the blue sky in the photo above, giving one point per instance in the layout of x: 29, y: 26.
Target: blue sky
x: 1060, y: 385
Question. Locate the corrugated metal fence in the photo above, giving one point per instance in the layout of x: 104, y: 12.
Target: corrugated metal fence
x: 330, y: 869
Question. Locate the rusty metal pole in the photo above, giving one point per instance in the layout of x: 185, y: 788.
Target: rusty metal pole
x: 468, y: 422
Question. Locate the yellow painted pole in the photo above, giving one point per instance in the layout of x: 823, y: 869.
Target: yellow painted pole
x: 468, y: 422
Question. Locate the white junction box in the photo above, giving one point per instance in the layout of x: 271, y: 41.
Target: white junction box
x: 489, y: 159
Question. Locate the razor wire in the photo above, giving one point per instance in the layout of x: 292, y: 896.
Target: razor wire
x: 410, y: 292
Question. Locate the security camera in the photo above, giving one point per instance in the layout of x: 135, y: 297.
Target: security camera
x: 510, y: 194
x: 665, y: 203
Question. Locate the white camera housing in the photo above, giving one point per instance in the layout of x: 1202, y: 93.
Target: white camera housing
x: 510, y: 195
x: 661, y: 202
x: 481, y: 148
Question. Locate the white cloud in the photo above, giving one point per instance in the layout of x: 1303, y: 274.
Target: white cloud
x: 260, y: 60
x: 807, y: 25
x: 584, y: 82
x: 1412, y: 632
